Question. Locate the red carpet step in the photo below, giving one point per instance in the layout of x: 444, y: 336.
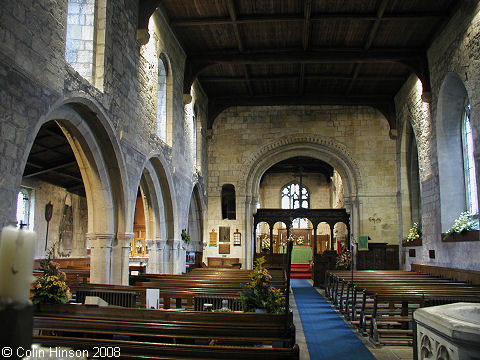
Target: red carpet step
x: 300, y: 271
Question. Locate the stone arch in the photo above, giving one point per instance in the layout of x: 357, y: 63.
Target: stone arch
x: 196, y: 215
x: 450, y: 104
x: 92, y: 139
x: 156, y: 185
x: 323, y: 148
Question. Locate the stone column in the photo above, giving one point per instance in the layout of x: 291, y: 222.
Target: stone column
x: 121, y: 259
x: 178, y: 255
x: 161, y: 246
x: 152, y: 256
x: 100, y: 257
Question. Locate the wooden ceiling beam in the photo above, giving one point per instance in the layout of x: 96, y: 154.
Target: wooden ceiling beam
x: 376, y: 25
x: 233, y: 18
x: 382, y: 103
x: 50, y: 169
x: 371, y: 36
x: 313, y: 18
x: 306, y: 57
x: 307, y: 12
x: 213, y: 79
x: 233, y: 21
x: 307, y: 99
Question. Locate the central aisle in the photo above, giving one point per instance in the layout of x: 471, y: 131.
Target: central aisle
x: 327, y: 335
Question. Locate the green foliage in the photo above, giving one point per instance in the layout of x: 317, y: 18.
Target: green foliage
x: 259, y: 294
x: 344, y: 259
x: 414, y: 233
x: 51, y: 287
x: 185, y: 236
x: 464, y: 223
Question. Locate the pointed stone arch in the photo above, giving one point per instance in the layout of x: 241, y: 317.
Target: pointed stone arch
x: 92, y: 139
x: 156, y: 185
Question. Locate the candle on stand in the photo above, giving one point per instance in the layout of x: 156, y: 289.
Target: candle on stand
x: 17, y: 249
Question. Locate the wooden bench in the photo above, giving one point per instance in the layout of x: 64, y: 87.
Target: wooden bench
x: 385, y: 300
x: 167, y: 334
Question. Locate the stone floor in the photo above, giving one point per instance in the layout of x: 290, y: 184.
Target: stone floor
x: 380, y: 352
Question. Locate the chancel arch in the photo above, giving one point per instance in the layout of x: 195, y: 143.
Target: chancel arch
x: 321, y: 148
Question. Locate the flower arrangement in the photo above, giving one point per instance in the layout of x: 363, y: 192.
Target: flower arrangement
x: 51, y: 287
x: 259, y: 294
x: 344, y: 259
x: 265, y: 244
x: 414, y: 233
x: 300, y: 240
x: 464, y: 223
x: 185, y: 237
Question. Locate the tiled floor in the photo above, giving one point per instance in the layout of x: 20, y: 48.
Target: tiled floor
x: 380, y: 352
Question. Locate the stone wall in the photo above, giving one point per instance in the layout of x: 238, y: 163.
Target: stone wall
x: 240, y: 133
x: 118, y: 115
x: 455, y: 51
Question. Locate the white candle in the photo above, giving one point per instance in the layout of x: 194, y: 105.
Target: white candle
x: 16, y: 264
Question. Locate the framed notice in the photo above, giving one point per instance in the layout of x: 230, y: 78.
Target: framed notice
x: 224, y: 248
x: 213, y: 238
x: 224, y: 234
x: 363, y: 243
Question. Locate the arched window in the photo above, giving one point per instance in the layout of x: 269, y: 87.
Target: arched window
x: 469, y: 162
x: 162, y: 101
x: 290, y: 199
x: 85, y: 39
x: 191, y: 127
x: 228, y: 202
x: 456, y: 167
x: 25, y: 207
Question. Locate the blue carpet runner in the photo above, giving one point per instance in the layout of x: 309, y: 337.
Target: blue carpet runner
x: 327, y: 335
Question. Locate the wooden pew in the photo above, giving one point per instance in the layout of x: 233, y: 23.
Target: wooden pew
x: 165, y: 334
x: 385, y: 300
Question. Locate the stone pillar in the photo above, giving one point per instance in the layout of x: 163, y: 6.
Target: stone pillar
x: 177, y: 252
x: 100, y: 257
x: 161, y: 250
x: 79, y: 246
x: 121, y: 260
x: 152, y: 256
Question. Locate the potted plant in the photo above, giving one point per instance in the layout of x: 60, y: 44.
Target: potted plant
x: 465, y: 228
x: 258, y: 295
x: 414, y: 237
x: 51, y: 287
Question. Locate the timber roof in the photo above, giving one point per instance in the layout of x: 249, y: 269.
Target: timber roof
x: 275, y: 52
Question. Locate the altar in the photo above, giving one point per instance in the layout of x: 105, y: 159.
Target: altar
x: 301, y: 254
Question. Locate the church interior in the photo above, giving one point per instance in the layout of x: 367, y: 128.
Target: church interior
x: 157, y: 149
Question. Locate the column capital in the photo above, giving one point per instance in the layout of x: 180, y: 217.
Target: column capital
x: 100, y: 240
x: 125, y: 239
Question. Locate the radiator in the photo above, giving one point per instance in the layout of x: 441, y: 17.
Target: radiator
x: 234, y: 303
x: 112, y: 297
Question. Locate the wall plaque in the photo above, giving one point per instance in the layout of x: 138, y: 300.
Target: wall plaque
x: 224, y: 248
x: 213, y: 238
x: 224, y: 234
